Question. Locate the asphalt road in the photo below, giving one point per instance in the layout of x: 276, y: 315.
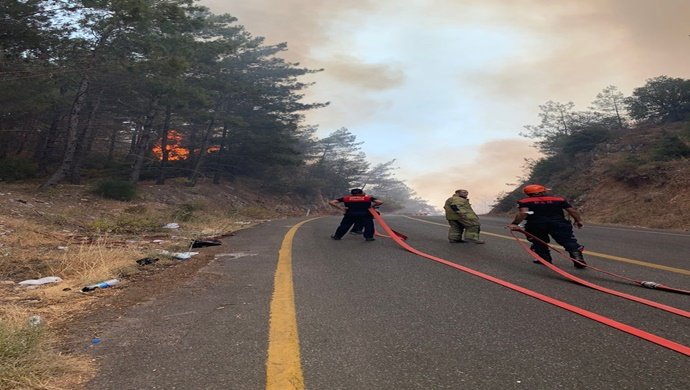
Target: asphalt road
x: 371, y: 315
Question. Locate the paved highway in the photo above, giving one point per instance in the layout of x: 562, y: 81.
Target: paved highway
x: 371, y: 315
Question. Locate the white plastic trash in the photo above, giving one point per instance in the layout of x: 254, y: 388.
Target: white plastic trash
x: 35, y: 320
x: 184, y: 255
x: 105, y: 284
x: 37, y: 282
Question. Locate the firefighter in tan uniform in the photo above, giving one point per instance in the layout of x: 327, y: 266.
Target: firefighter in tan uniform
x: 461, y: 218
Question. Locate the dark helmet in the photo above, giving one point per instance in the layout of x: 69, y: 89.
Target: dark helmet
x: 356, y: 191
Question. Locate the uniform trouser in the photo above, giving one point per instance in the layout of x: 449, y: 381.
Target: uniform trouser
x: 366, y: 221
x: 455, y: 231
x: 471, y: 224
x: 561, y: 231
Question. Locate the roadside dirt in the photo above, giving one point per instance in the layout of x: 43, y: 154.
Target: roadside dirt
x: 54, y: 233
x: 109, y: 304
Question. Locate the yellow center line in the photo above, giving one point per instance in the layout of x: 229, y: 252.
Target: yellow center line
x: 283, y: 365
x: 588, y: 253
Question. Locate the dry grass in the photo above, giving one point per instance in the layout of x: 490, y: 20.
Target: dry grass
x: 70, y: 233
x: 660, y: 202
x: 89, y: 263
x: 28, y: 360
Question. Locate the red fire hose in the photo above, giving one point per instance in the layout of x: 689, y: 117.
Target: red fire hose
x: 531, y: 237
x: 685, y: 350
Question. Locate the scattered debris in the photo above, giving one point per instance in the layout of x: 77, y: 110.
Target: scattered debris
x: 105, y: 284
x: 235, y: 255
x: 172, y: 225
x: 205, y: 242
x: 180, y: 255
x: 35, y: 320
x: 38, y: 282
x: 147, y: 260
x: 184, y: 255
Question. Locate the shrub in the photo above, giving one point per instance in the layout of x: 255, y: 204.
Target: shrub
x: 585, y: 140
x: 552, y: 169
x: 685, y: 132
x: 185, y: 212
x: 628, y: 170
x: 17, y: 168
x: 116, y: 189
x: 19, y: 351
x: 670, y: 147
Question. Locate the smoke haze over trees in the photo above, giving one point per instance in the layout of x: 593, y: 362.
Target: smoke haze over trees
x: 151, y: 90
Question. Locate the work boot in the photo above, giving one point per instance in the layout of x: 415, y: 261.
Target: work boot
x: 334, y: 237
x: 456, y: 241
x: 370, y: 239
x: 577, y: 255
x: 546, y: 257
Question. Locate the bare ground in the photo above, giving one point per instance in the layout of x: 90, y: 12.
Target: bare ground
x: 71, y: 233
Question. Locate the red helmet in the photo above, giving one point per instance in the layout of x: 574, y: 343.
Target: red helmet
x: 534, y: 189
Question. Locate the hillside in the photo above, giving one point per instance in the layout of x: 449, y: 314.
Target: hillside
x: 636, y: 177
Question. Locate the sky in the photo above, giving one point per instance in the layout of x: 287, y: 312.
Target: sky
x: 446, y: 86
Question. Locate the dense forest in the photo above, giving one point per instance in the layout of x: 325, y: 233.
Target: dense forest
x: 636, y: 144
x: 134, y: 90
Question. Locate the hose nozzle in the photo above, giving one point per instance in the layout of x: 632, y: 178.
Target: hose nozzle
x: 650, y: 284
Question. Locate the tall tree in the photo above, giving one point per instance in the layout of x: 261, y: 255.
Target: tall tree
x: 557, y: 121
x: 610, y: 102
x: 661, y: 99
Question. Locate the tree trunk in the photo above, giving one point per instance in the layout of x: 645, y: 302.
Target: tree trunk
x: 164, y: 146
x: 202, y: 153
x: 46, y: 149
x: 221, y: 154
x: 82, y: 143
x: 111, y: 144
x: 144, y: 141
x: 24, y: 138
x: 72, y: 127
x: 136, y: 136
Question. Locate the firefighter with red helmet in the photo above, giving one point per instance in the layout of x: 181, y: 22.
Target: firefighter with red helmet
x: 544, y: 215
x: 356, y: 211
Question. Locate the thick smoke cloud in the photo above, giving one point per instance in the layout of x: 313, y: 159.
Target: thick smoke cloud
x: 435, y: 73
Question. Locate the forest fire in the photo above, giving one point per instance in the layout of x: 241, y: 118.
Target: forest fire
x: 175, y: 151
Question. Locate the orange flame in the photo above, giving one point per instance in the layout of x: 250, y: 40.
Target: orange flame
x: 175, y: 151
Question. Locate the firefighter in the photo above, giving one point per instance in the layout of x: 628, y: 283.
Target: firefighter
x: 357, y: 228
x: 461, y: 218
x: 356, y: 211
x: 544, y: 216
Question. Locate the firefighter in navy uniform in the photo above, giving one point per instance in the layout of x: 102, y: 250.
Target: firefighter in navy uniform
x: 356, y: 208
x: 544, y: 216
